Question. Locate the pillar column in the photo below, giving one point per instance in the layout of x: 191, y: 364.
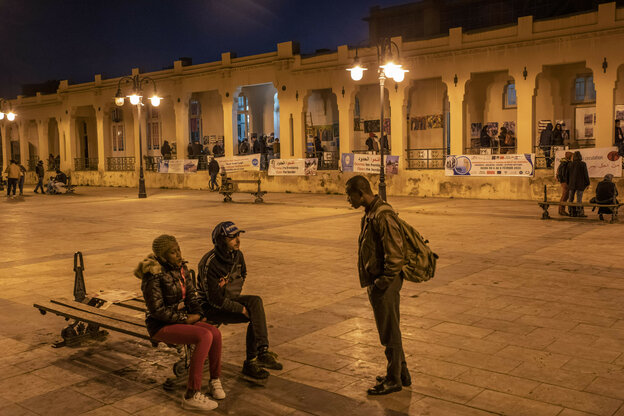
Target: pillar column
x: 229, y: 124
x: 604, y: 82
x: 299, y: 128
x: 23, y: 142
x: 181, y: 111
x: 456, y: 92
x: 99, y: 128
x: 291, y: 145
x: 42, y: 136
x: 398, y: 121
x: 525, y: 108
x: 6, y: 154
x: 345, y: 118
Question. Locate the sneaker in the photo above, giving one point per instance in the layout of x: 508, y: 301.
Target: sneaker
x: 268, y: 359
x: 198, y: 402
x: 216, y: 389
x: 253, y: 370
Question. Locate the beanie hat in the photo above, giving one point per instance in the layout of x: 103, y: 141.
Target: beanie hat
x: 163, y: 243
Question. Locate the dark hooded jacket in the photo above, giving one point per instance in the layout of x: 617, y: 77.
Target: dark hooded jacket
x: 221, y: 263
x: 381, y: 246
x: 546, y: 137
x: 578, y: 179
x: 169, y: 293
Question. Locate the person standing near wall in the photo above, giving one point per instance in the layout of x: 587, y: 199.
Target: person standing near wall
x: 213, y: 171
x: 22, y: 177
x: 165, y: 150
x: 563, y: 175
x: 578, y: 181
x: 381, y: 256
x: 619, y: 138
x: 13, y: 174
x: 546, y: 142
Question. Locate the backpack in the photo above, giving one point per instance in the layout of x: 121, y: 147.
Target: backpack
x: 562, y: 171
x: 420, y: 260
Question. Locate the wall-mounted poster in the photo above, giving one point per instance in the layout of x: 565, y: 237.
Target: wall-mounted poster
x: 541, y: 125
x: 356, y: 124
x: 475, y: 130
x: 386, y: 126
x: 619, y: 112
x: 589, y: 132
x: 434, y: 121
x: 371, y: 126
x: 588, y: 119
x: 419, y: 122
x: 413, y: 123
x: 600, y: 161
x: 510, y: 126
x: 584, y: 124
x: 490, y: 165
x: 492, y: 128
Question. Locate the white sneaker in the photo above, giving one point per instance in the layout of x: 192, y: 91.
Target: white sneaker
x: 198, y: 402
x: 216, y: 389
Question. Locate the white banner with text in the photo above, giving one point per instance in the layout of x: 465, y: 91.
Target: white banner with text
x: 490, y: 165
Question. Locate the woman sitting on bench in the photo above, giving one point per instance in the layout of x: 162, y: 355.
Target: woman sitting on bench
x: 174, y: 316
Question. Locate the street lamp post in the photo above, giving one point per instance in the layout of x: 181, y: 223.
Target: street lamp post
x: 387, y: 68
x: 136, y: 98
x: 10, y: 116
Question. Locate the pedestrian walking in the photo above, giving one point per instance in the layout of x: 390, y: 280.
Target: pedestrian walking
x: 40, y: 171
x: 22, y: 177
x: 13, y: 172
x: 381, y: 256
x: 213, y: 171
x: 174, y: 316
x: 222, y: 274
x: 578, y: 181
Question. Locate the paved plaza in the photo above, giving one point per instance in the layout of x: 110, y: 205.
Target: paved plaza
x: 524, y: 316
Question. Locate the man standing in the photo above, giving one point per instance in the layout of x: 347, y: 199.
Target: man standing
x: 222, y: 273
x: 563, y: 175
x: 381, y: 254
x: 40, y: 171
x: 13, y: 172
x: 213, y: 171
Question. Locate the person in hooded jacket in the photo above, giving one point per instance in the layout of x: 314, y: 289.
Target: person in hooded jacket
x: 174, y: 316
x: 222, y: 273
x: 563, y: 176
x: 557, y: 135
x: 578, y: 181
x: 546, y: 142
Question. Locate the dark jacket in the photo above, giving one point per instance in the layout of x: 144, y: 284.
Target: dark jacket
x: 255, y: 147
x: 213, y: 167
x: 215, y: 265
x: 546, y: 137
x: 61, y: 177
x: 162, y: 285
x: 165, y: 150
x: 578, y: 178
x: 40, y: 170
x: 381, y: 247
x: 557, y: 137
x: 619, y: 136
x: 485, y: 140
x: 606, y: 192
x: 563, y: 171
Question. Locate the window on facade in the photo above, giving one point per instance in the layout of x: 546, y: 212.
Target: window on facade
x: 242, y: 117
x: 153, y: 129
x: 584, y: 90
x: 356, y: 110
x: 195, y: 124
x: 509, y: 96
x: 118, y: 138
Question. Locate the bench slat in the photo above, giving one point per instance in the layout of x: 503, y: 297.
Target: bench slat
x: 137, y: 322
x: 90, y: 318
x: 136, y: 304
x: 572, y: 204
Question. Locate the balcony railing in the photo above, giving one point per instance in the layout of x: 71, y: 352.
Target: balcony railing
x: 151, y: 163
x: 326, y: 160
x: 426, y: 158
x: 86, y: 163
x: 500, y: 150
x: 120, y: 164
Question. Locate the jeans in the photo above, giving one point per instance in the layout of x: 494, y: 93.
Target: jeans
x: 564, y: 196
x: 579, y: 199
x: 207, y: 341
x: 257, y: 334
x: 21, y: 184
x: 11, y: 183
x: 213, y: 182
x: 40, y: 185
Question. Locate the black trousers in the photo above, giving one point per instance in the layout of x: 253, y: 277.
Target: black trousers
x: 257, y: 334
x: 40, y: 185
x: 11, y: 184
x: 385, y: 305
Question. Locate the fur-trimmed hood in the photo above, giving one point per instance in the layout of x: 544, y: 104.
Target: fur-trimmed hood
x: 148, y: 265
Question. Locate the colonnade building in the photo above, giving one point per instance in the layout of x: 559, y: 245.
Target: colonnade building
x: 559, y: 69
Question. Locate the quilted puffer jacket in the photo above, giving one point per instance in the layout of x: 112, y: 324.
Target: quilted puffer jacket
x: 169, y: 293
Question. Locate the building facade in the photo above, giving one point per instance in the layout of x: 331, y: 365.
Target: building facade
x: 558, y: 69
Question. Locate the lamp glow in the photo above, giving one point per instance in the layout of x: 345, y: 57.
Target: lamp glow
x: 356, y: 72
x: 11, y: 116
x: 1, y: 115
x: 390, y: 69
x: 134, y: 99
x: 399, y: 75
x: 155, y: 100
x: 119, y: 101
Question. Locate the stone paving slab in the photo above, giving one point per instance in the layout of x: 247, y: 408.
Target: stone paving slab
x: 524, y: 316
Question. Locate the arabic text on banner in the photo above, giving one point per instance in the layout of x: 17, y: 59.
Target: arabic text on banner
x: 239, y: 163
x: 293, y: 167
x: 599, y: 161
x: 368, y: 163
x: 178, y: 166
x: 490, y: 165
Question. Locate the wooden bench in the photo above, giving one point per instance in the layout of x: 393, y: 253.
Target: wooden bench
x: 230, y: 186
x: 545, y: 204
x: 68, y: 186
x: 91, y: 318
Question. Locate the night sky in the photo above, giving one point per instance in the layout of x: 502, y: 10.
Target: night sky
x: 76, y: 39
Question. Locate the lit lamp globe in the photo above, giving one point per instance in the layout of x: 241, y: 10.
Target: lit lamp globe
x: 11, y: 116
x: 390, y: 69
x: 135, y: 99
x: 119, y: 101
x: 356, y: 72
x: 155, y: 100
x: 1, y: 115
x: 400, y: 75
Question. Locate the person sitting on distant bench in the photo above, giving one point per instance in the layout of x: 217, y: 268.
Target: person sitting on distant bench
x: 606, y: 191
x: 57, y: 183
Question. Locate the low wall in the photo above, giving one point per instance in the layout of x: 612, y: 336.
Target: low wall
x: 421, y: 183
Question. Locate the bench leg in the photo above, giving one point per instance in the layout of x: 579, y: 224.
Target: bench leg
x: 545, y: 214
x: 78, y: 331
x: 258, y: 196
x: 227, y: 198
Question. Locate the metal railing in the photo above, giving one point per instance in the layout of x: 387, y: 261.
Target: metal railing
x: 500, y: 150
x: 326, y: 160
x: 120, y: 163
x: 426, y: 158
x: 86, y: 163
x: 151, y: 163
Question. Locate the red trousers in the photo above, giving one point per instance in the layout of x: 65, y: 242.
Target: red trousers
x: 207, y: 341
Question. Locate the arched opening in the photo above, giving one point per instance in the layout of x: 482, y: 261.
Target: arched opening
x: 54, y: 147
x: 366, y: 122
x: 321, y: 127
x: 86, y: 156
